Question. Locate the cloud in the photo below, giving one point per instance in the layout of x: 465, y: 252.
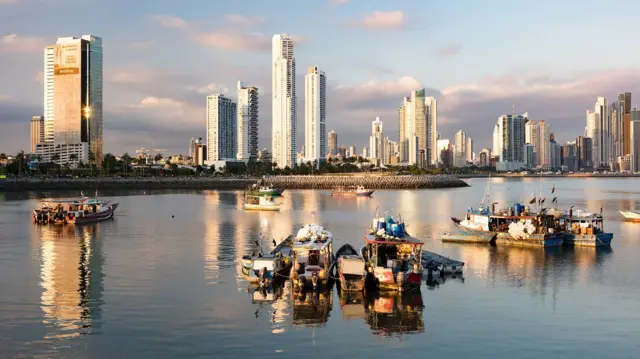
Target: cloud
x: 155, y: 102
x: 5, y: 98
x: 214, y: 88
x: 451, y: 50
x: 339, y: 2
x: 14, y: 43
x: 142, y: 45
x: 231, y: 40
x: 170, y: 21
x: 391, y: 20
x: 245, y: 20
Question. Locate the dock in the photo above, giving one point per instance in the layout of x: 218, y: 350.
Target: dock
x: 449, y: 266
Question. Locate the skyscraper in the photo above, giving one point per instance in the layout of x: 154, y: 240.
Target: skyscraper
x: 333, y: 143
x: 602, y: 152
x: 509, y: 137
x: 221, y: 128
x: 315, y: 114
x: 73, y: 100
x: 247, y: 122
x: 634, y: 139
x: 543, y: 147
x: 460, y: 149
x: 626, y: 126
x: 432, y: 120
x: 37, y: 132
x: 584, y: 153
x: 283, y: 137
x: 376, y: 142
x: 414, y: 125
x: 469, y: 150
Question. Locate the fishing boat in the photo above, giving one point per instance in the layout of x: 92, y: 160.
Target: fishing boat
x: 632, y: 216
x: 264, y: 269
x: 350, y: 269
x: 261, y: 203
x: 264, y: 190
x: 312, y: 256
x: 584, y: 229
x: 392, y: 256
x: 74, y: 211
x: 354, y: 191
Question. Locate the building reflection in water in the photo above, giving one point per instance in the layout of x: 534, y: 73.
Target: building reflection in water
x: 212, y: 236
x: 71, y: 277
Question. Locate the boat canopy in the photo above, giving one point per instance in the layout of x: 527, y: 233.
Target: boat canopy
x: 352, y: 265
x: 407, y: 239
x: 311, y: 245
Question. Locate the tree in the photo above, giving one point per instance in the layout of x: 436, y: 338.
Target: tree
x: 3, y: 156
x: 73, y: 157
x: 55, y: 158
x: 109, y: 161
x: 126, y: 159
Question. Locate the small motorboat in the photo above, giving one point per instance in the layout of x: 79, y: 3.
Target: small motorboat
x: 358, y: 191
x: 261, y: 203
x: 77, y: 211
x: 350, y: 269
x: 312, y: 258
x: 632, y: 216
x: 263, y: 269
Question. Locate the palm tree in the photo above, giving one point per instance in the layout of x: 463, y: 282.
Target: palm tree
x: 73, y: 157
x: 3, y: 156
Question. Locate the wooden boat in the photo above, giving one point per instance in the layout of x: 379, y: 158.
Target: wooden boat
x: 264, y: 269
x: 445, y: 265
x: 350, y: 269
x: 261, y: 203
x: 519, y: 227
x: 585, y: 229
x: 312, y: 256
x: 395, y: 259
x: 264, y: 190
x: 78, y: 211
x: 632, y: 216
x: 357, y: 191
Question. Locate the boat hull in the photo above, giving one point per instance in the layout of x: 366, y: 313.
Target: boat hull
x: 588, y: 240
x: 352, y: 194
x: 630, y: 216
x: 467, y: 237
x: 387, y: 283
x: 352, y: 284
x: 95, y: 217
x: 504, y: 238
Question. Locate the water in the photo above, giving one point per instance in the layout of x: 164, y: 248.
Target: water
x: 147, y: 285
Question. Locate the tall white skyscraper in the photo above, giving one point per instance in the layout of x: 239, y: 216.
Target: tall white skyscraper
x: 221, y: 128
x: 432, y: 120
x: 73, y: 99
x: 469, y: 150
x: 602, y: 116
x: 543, y: 146
x: 283, y: 137
x: 592, y: 131
x: 315, y: 114
x: 414, y: 123
x: 247, y: 123
x: 376, y: 141
x: 509, y: 136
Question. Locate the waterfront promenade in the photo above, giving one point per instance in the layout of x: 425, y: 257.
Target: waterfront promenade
x: 230, y: 183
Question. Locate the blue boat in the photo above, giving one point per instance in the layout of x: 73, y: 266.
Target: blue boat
x: 585, y: 229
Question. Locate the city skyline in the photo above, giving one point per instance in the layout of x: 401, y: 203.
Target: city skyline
x: 145, y: 93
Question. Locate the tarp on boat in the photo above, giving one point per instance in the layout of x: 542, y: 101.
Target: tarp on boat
x: 352, y: 265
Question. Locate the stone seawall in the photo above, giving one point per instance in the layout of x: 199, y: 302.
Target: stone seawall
x: 373, y: 182
x: 287, y: 182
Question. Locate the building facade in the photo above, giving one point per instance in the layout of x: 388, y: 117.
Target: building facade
x: 460, y: 149
x: 283, y: 133
x: 509, y: 136
x: 634, y: 140
x: 333, y: 143
x: 414, y: 124
x: 221, y: 128
x: 315, y: 115
x: 37, y: 132
x: 376, y: 142
x: 432, y: 121
x: 247, y: 122
x: 584, y: 153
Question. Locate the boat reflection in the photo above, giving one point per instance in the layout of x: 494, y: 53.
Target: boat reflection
x: 71, y: 277
x: 352, y: 305
x: 312, y: 308
x: 395, y: 314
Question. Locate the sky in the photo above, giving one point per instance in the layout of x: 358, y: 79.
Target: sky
x: 478, y: 58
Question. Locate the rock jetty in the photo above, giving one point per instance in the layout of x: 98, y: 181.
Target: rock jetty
x: 286, y: 182
x: 373, y: 182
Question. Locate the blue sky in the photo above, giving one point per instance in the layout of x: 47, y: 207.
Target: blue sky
x: 162, y: 57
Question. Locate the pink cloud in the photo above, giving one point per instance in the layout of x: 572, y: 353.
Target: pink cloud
x: 231, y: 40
x: 245, y: 20
x: 14, y: 43
x: 170, y: 21
x: 391, y: 20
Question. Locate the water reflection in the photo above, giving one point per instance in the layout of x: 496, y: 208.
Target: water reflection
x: 277, y: 304
x: 395, y: 314
x: 72, y: 279
x: 311, y: 309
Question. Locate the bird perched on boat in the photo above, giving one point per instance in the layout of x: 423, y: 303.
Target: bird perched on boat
x: 274, y: 242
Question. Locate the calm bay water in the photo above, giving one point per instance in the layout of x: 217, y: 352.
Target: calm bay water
x: 147, y: 285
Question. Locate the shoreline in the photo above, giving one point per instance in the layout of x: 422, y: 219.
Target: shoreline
x: 575, y: 175
x: 208, y: 183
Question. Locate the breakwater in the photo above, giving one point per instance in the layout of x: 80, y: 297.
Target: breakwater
x: 287, y: 182
x: 369, y: 181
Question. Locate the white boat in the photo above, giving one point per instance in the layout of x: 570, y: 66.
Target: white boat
x: 312, y: 257
x: 633, y: 216
x: 261, y: 203
x: 265, y: 268
x: 77, y: 211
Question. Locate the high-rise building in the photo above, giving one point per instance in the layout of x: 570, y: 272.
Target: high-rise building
x: 315, y: 114
x: 460, y: 149
x: 626, y: 125
x: 333, y: 143
x: 509, y: 137
x: 602, y: 147
x: 569, y: 158
x: 376, y: 142
x: 221, y: 128
x: 247, y: 122
x: 543, y: 148
x: 37, y: 132
x: 73, y: 100
x: 555, y: 154
x: 432, y: 120
x: 530, y: 160
x: 283, y: 136
x: 413, y: 121
x: 634, y: 139
x: 192, y: 145
x: 617, y: 113
x: 485, y: 157
x: 445, y: 151
x: 365, y: 153
x: 352, y: 151
x: 584, y: 153
x: 469, y: 150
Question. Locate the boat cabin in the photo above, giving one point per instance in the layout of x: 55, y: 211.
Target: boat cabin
x: 399, y: 255
x: 499, y: 221
x: 583, y: 224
